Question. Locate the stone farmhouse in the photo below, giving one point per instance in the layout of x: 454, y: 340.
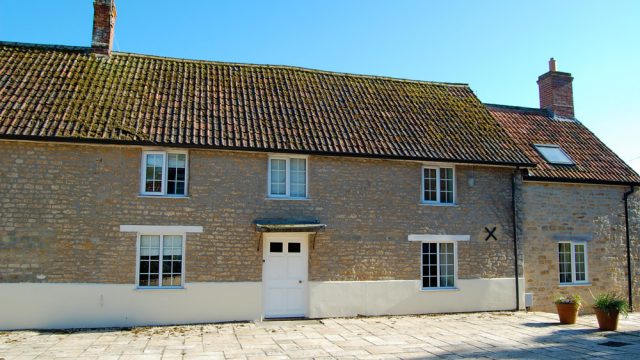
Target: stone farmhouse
x: 145, y: 190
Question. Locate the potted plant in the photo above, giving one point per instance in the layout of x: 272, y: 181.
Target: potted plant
x: 608, y: 308
x: 568, y: 307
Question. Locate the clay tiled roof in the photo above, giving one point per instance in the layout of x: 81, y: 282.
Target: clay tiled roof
x: 68, y: 94
x: 594, y: 161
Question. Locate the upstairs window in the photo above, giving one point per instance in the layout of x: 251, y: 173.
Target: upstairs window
x: 554, y: 154
x: 164, y: 173
x: 287, y: 177
x: 438, y: 185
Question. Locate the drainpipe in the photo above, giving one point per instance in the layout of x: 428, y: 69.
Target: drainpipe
x: 515, y: 236
x: 625, y: 197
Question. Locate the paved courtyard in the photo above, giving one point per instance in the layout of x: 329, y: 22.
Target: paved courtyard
x: 479, y: 335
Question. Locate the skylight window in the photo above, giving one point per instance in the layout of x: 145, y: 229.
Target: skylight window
x: 554, y: 154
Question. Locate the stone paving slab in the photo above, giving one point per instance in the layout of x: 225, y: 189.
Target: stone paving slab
x: 495, y: 335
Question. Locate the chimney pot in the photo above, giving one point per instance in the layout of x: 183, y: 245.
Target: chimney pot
x: 104, y: 21
x: 556, y: 91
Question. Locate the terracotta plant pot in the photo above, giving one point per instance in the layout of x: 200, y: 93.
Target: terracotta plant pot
x: 607, y: 321
x: 568, y: 313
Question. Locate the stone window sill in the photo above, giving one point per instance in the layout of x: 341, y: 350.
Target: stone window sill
x: 438, y: 204
x: 287, y: 198
x: 163, y: 197
x: 575, y: 284
x: 439, y: 289
x: 159, y: 288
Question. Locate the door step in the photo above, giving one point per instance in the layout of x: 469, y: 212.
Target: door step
x: 288, y: 320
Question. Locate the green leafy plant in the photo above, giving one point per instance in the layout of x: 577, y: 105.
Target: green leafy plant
x: 611, y: 302
x: 570, y: 299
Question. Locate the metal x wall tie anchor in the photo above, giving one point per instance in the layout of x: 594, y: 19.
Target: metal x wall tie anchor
x: 491, y: 233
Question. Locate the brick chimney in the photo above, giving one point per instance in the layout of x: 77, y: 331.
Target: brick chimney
x: 556, y: 91
x: 104, y: 20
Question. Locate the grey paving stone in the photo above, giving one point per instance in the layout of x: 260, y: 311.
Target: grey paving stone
x: 503, y: 335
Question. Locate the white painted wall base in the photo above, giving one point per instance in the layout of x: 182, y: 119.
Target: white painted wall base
x: 59, y: 306
x: 398, y: 297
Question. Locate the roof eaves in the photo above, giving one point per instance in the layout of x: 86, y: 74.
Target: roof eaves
x: 580, y: 181
x: 59, y: 139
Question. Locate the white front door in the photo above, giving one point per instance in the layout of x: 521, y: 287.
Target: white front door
x: 284, y: 275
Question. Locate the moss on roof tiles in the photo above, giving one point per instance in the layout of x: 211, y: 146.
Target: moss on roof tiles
x: 67, y: 93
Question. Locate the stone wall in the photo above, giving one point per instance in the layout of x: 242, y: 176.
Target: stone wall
x: 634, y: 231
x: 595, y: 212
x: 62, y: 206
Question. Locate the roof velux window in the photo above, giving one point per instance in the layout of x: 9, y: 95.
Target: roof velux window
x: 554, y: 154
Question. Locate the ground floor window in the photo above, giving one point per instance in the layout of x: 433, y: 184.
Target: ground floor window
x: 438, y: 265
x: 160, y: 262
x: 572, y: 258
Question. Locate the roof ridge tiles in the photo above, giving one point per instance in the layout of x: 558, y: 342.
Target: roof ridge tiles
x: 45, y: 46
x: 519, y: 108
x: 292, y: 67
x: 228, y: 63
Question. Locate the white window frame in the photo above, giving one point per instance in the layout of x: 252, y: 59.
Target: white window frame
x: 437, y: 168
x: 573, y: 262
x: 161, y: 230
x: 455, y: 266
x: 165, y: 173
x: 287, y: 159
x: 160, y: 286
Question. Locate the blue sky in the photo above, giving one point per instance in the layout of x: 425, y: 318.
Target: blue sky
x: 498, y: 47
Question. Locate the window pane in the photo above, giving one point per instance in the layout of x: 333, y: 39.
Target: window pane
x: 580, y: 262
x: 148, y: 261
x: 446, y: 264
x: 564, y: 261
x: 149, y: 245
x: 143, y: 280
x: 554, y: 154
x: 171, y: 187
x: 430, y: 184
x: 177, y: 160
x: 154, y: 267
x: 275, y: 247
x: 154, y: 280
x: 144, y: 266
x: 293, y: 247
x: 446, y: 185
x: 447, y: 281
x: 171, y: 260
x: 153, y: 172
x: 171, y: 280
x: 176, y: 174
x: 298, y: 177
x: 278, y: 176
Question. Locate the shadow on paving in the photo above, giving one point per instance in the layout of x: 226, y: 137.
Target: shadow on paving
x: 566, y: 342
x: 79, y: 331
